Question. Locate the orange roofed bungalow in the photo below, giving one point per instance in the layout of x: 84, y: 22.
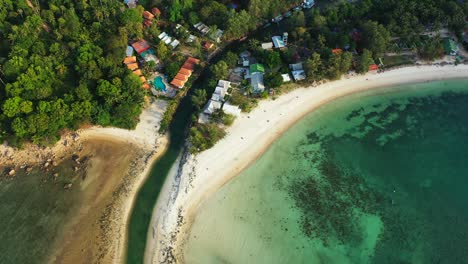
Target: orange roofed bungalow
x: 178, y: 83
x: 132, y: 66
x: 337, y: 51
x: 181, y: 77
x: 148, y: 15
x: 185, y: 72
x: 137, y: 72
x: 129, y: 60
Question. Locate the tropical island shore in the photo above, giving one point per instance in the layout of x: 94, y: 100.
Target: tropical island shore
x: 195, y: 178
x: 109, y: 165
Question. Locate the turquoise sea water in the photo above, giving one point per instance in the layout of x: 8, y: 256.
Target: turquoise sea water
x: 371, y: 178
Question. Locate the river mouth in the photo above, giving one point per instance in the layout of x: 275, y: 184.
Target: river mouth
x: 364, y: 179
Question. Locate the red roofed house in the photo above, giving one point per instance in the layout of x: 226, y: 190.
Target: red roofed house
x: 142, y: 79
x: 373, y: 67
x: 181, y: 77
x: 156, y: 11
x: 141, y: 46
x: 137, y: 73
x: 192, y: 60
x: 148, y: 15
x: 337, y: 51
x: 188, y: 66
x: 178, y: 83
x: 146, y: 86
x: 208, y: 45
x: 185, y: 72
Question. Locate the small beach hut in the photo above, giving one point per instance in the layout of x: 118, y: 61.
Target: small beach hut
x: 132, y: 66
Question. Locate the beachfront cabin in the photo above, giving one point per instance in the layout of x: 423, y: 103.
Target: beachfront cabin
x: 450, y: 47
x: 129, y: 51
x: 231, y: 109
x: 211, y: 107
x: 267, y: 45
x: 297, y: 71
x: 141, y: 46
x: 256, y: 81
x: 278, y: 42
x: 204, y: 29
x: 191, y: 38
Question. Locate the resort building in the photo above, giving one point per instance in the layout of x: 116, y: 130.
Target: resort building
x: 278, y: 42
x: 141, y: 46
x: 147, y: 15
x: 185, y: 72
x: 255, y: 74
x: 129, y: 60
x: 217, y: 35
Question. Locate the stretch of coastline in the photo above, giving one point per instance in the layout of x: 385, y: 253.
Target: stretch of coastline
x: 113, y: 163
x: 104, y: 239
x: 195, y: 178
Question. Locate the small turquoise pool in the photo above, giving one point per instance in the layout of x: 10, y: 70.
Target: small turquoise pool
x: 158, y: 82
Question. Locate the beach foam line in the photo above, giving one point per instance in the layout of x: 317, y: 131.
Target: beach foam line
x: 249, y: 137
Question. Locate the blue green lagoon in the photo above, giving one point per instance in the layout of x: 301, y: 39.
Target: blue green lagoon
x: 376, y: 177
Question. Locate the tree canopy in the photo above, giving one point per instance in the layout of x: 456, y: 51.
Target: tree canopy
x: 61, y: 65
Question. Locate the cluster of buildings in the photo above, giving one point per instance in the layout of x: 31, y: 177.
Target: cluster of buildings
x: 143, y: 48
x: 204, y: 29
x: 168, y: 40
x: 217, y: 101
x: 277, y: 42
x: 131, y: 63
x: 185, y: 72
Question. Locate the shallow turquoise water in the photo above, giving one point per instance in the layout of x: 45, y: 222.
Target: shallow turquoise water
x: 371, y: 178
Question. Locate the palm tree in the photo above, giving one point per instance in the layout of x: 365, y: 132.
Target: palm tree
x: 199, y: 98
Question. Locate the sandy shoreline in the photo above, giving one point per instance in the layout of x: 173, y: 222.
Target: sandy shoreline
x: 115, y: 164
x: 199, y: 177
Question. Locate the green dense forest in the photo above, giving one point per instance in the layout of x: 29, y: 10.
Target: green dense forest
x: 61, y: 60
x: 61, y: 66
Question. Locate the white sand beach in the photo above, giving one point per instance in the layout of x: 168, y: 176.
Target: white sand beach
x: 250, y: 135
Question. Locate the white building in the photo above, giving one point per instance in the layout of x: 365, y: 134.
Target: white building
x: 231, y: 109
x: 211, y: 107
x: 267, y: 45
x: 256, y: 81
x: 278, y: 42
x: 297, y: 71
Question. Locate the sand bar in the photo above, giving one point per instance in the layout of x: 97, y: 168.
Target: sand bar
x: 197, y: 178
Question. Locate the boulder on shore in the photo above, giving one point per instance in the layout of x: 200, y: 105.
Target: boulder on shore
x: 12, y: 172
